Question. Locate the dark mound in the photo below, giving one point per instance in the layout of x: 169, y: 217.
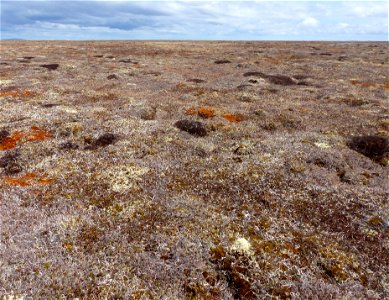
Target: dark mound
x: 374, y: 147
x: 112, y: 76
x: 9, y: 163
x: 196, y: 80
x: 193, y: 127
x: 222, y: 61
x: 50, y: 66
x: 3, y: 134
x: 102, y: 141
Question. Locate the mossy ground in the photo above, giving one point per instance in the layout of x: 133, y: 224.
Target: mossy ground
x: 111, y: 200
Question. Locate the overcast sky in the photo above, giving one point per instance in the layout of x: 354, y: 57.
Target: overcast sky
x: 221, y: 20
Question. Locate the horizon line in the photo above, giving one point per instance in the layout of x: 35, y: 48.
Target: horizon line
x: 195, y: 40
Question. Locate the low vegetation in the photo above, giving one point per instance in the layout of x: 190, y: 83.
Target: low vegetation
x: 181, y: 170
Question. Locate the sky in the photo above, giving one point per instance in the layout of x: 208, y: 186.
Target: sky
x: 194, y: 20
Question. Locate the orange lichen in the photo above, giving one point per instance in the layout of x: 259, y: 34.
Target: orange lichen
x: 10, y: 142
x: 16, y: 93
x: 20, y: 137
x: 191, y: 111
x: 206, y: 112
x: 234, y: 118
x: 28, y: 179
x: 370, y: 84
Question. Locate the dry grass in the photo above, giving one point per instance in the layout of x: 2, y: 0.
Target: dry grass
x: 178, y: 170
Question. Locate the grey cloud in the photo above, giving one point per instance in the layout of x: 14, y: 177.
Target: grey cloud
x: 193, y: 20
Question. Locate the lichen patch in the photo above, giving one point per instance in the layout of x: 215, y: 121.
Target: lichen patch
x: 123, y: 178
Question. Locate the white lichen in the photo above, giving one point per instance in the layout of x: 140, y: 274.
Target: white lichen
x: 322, y: 145
x: 123, y: 178
x: 13, y: 296
x: 68, y: 109
x: 243, y: 246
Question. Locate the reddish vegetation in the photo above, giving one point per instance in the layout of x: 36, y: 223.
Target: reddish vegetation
x: 234, y: 118
x: 28, y: 179
x: 370, y: 84
x: 206, y: 112
x: 191, y: 111
x: 16, y: 93
x: 20, y: 137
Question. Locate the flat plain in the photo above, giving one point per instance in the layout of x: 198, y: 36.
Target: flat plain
x: 194, y: 170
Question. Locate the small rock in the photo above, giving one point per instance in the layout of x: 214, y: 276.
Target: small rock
x: 192, y: 127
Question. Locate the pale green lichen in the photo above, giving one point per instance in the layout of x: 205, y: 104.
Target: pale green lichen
x: 322, y: 145
x: 13, y: 296
x: 243, y: 246
x: 123, y: 178
x: 5, y: 81
x: 68, y: 109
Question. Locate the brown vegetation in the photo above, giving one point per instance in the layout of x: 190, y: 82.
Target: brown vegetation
x: 149, y: 170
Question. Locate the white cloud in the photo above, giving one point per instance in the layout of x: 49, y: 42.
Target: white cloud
x: 310, y: 22
x: 194, y: 19
x: 367, y: 9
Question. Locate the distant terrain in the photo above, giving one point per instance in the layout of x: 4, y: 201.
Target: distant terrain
x: 194, y: 170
